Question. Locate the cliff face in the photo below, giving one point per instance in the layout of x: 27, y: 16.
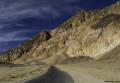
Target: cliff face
x: 87, y: 34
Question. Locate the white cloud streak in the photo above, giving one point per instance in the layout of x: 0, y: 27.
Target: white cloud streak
x: 14, y: 36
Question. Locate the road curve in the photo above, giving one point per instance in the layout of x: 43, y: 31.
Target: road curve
x: 53, y: 75
x: 80, y: 76
x: 64, y: 74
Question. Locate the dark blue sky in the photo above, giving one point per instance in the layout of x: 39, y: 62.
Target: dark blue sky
x: 20, y: 20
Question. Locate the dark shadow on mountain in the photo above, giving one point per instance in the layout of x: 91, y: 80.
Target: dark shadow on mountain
x: 53, y: 75
x: 106, y: 21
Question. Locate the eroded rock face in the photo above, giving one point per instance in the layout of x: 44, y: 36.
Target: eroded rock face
x: 87, y: 34
x: 26, y: 47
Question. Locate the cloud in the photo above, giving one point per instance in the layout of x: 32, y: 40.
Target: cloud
x: 11, y: 10
x: 29, y: 7
x: 14, y: 36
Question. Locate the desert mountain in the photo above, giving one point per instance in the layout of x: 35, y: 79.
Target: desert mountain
x: 88, y: 34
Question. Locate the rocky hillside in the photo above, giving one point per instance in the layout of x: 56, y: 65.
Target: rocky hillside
x: 32, y: 44
x: 87, y: 34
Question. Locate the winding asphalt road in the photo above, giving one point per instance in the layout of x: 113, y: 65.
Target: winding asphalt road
x: 53, y: 75
x: 59, y: 75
